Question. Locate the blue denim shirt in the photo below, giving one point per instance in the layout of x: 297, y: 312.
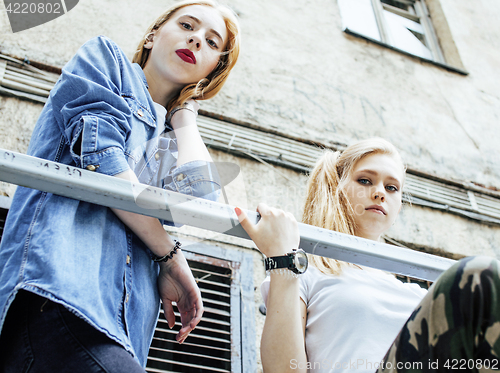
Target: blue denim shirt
x: 77, y: 253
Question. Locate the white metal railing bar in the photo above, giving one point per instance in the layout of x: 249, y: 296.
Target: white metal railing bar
x: 113, y: 192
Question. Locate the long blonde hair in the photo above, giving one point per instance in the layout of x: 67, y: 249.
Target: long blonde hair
x: 327, y: 205
x: 207, y: 87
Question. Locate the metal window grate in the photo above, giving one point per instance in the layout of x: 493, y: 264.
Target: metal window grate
x: 22, y: 80
x: 422, y: 283
x: 220, y: 134
x: 300, y: 156
x: 454, y: 197
x: 208, y: 347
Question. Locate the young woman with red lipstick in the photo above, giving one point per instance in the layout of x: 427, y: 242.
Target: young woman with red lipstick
x: 335, y: 316
x: 81, y: 284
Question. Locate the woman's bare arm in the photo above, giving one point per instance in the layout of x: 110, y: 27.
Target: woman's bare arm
x: 283, y: 340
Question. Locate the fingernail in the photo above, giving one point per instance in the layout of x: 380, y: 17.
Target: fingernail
x: 237, y: 210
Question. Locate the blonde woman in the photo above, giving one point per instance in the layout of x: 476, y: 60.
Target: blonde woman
x: 80, y: 284
x: 342, y: 317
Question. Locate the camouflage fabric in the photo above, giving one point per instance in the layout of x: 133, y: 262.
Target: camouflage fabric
x: 456, y: 326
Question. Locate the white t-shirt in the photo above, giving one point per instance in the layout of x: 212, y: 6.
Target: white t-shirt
x: 353, y: 318
x: 165, y: 149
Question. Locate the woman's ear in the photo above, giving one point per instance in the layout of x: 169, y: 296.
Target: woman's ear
x: 149, y: 40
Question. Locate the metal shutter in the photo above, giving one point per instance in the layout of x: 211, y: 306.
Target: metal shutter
x: 208, y: 347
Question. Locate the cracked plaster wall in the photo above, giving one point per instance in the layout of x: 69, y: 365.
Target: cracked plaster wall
x: 301, y: 75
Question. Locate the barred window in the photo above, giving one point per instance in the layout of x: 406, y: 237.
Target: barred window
x: 422, y: 283
x: 217, y: 344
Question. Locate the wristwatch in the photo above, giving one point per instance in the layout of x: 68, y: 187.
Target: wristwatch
x: 296, y: 261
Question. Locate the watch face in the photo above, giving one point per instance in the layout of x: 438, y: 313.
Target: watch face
x: 301, y: 261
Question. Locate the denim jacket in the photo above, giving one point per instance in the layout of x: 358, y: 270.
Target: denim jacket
x: 99, y: 116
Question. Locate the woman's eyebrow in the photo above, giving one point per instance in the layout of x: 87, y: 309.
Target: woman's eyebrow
x: 198, y: 22
x: 375, y: 173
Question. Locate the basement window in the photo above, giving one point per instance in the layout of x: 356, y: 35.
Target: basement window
x: 422, y: 283
x: 224, y: 340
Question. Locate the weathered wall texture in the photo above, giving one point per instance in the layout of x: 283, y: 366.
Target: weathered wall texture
x: 299, y: 74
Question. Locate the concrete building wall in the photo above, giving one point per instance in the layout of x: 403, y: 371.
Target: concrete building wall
x: 301, y: 76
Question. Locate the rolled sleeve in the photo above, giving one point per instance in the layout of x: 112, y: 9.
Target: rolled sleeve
x: 101, y: 147
x: 89, y: 109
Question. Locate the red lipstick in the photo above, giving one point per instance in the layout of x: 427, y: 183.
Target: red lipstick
x: 377, y: 209
x: 186, y: 55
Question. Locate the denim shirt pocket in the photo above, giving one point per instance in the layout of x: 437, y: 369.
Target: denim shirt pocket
x: 141, y: 155
x: 140, y: 111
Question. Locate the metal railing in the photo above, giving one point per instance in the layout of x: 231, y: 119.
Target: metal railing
x: 113, y: 192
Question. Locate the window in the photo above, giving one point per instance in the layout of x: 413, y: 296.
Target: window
x: 224, y: 340
x: 403, y: 25
x: 406, y: 25
x: 422, y: 283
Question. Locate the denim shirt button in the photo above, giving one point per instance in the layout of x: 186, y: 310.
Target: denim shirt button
x: 91, y: 167
x: 157, y: 156
x: 180, y: 177
x: 140, y: 113
x: 126, y: 299
x: 128, y: 259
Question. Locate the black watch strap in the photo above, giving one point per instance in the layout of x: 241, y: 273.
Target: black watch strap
x: 276, y: 262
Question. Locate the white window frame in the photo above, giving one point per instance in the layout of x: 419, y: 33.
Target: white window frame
x: 377, y: 21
